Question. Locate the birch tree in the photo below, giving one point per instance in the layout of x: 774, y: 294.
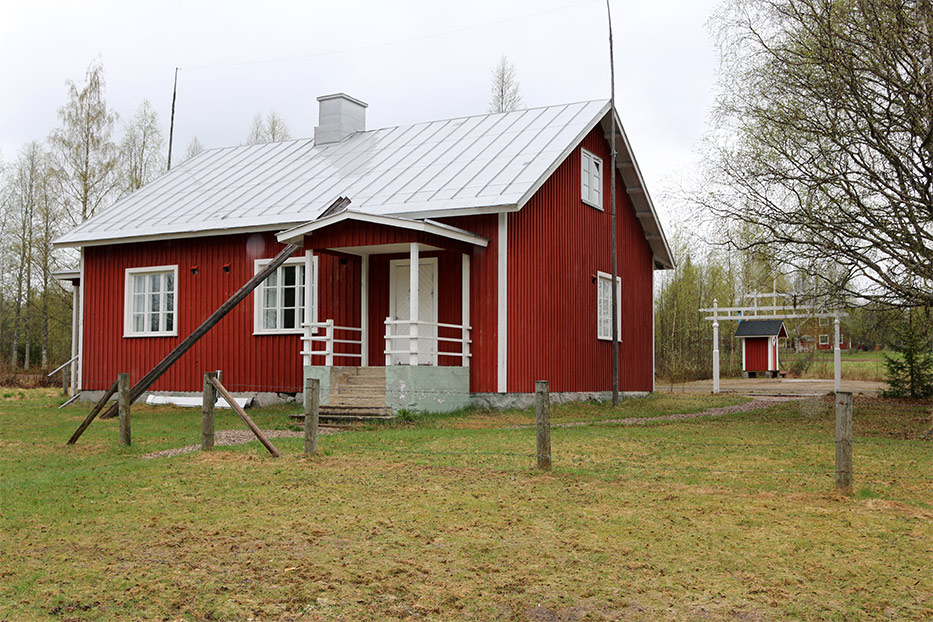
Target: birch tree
x: 504, y: 90
x: 823, y: 140
x: 269, y: 130
x: 194, y: 148
x: 86, y: 157
x: 141, y: 150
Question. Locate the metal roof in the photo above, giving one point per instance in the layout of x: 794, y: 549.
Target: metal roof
x: 485, y: 163
x: 761, y: 328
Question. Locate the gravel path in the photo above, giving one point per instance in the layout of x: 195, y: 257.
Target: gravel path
x: 236, y: 437
x: 755, y: 404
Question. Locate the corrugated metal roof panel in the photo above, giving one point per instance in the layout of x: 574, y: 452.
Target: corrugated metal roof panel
x: 485, y: 161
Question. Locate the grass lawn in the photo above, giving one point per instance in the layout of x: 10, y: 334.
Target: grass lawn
x: 446, y: 519
x: 855, y: 365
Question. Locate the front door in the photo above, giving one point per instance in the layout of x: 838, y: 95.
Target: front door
x: 399, y: 297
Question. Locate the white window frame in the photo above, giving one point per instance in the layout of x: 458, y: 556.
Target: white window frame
x: 129, y: 277
x: 824, y: 339
x: 602, y: 277
x: 591, y: 179
x: 309, y: 299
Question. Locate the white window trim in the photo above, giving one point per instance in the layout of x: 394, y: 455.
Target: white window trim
x: 584, y: 171
x: 826, y: 342
x: 608, y: 277
x: 129, y: 273
x: 310, y: 285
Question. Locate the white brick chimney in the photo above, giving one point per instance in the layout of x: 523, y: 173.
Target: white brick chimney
x: 339, y: 116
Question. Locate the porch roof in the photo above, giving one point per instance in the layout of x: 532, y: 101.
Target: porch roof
x: 295, y: 235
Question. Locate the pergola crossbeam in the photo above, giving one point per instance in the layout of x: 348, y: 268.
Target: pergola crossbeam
x: 773, y: 312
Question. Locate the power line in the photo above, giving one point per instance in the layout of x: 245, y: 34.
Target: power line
x: 389, y: 43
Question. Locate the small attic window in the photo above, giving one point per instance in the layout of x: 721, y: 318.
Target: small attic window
x: 591, y: 179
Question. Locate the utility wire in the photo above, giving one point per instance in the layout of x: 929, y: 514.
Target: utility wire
x: 390, y: 43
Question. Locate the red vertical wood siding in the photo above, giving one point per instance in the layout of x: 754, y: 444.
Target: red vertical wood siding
x: 249, y: 363
x: 756, y: 353
x: 483, y: 301
x: 557, y: 244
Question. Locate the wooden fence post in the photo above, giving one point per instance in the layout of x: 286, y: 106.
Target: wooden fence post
x: 844, y: 442
x: 543, y: 423
x: 207, y: 412
x: 249, y: 422
x: 312, y: 403
x: 123, y: 405
x: 65, y: 378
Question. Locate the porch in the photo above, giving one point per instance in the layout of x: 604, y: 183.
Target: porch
x: 389, y: 323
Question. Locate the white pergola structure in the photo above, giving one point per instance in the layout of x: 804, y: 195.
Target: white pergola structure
x: 774, y: 311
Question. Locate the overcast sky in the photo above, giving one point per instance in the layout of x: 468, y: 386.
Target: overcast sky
x: 410, y: 60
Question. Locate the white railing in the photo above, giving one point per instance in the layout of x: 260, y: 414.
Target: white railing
x: 423, y: 341
x: 326, y: 333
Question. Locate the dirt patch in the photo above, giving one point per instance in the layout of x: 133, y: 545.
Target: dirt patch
x: 774, y: 386
x: 235, y: 437
x: 755, y: 404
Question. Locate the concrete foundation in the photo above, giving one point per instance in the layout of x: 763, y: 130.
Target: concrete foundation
x: 258, y: 399
x: 505, y: 401
x: 424, y: 388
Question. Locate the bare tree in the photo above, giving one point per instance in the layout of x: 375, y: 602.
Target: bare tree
x: 504, y: 95
x: 823, y: 140
x: 270, y: 130
x: 27, y: 186
x: 194, y: 148
x: 141, y: 150
x: 85, y: 155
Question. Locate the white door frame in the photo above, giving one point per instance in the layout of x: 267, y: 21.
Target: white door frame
x: 393, y: 303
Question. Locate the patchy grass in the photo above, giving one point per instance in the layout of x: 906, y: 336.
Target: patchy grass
x: 855, y: 365
x: 717, y: 519
x: 654, y: 405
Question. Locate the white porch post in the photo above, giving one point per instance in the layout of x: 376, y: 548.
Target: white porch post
x: 715, y: 346
x: 465, y: 309
x: 837, y: 355
x: 364, y: 311
x: 413, y: 300
x: 309, y: 305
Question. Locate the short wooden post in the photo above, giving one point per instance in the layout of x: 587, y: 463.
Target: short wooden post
x: 123, y: 401
x: 249, y: 422
x: 844, y: 442
x: 312, y: 404
x: 65, y: 378
x: 207, y: 411
x: 543, y: 423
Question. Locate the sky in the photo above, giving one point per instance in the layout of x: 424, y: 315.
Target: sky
x: 410, y: 60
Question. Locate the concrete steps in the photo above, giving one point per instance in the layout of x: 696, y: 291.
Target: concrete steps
x: 357, y: 394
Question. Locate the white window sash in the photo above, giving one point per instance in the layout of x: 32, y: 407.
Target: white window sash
x: 591, y: 179
x: 143, y: 303
x: 604, y: 306
x: 278, y: 310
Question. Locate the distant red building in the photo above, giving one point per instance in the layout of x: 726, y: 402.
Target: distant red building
x: 760, y: 346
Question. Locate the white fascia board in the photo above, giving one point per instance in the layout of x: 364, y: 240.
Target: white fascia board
x: 80, y: 243
x: 455, y: 212
x: 295, y: 234
x: 640, y: 196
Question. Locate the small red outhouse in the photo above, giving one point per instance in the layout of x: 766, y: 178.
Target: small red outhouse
x: 760, y: 346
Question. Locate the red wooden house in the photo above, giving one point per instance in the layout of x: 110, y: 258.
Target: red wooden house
x: 497, y: 225
x: 760, y: 346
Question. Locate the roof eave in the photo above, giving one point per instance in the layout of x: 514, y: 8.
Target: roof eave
x: 295, y: 235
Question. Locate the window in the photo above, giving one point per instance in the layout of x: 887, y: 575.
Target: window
x: 150, y: 302
x: 281, y: 300
x: 824, y: 321
x: 824, y: 340
x: 591, y: 177
x: 604, y: 306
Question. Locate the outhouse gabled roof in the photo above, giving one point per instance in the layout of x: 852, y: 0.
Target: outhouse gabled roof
x: 469, y: 165
x: 761, y: 328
